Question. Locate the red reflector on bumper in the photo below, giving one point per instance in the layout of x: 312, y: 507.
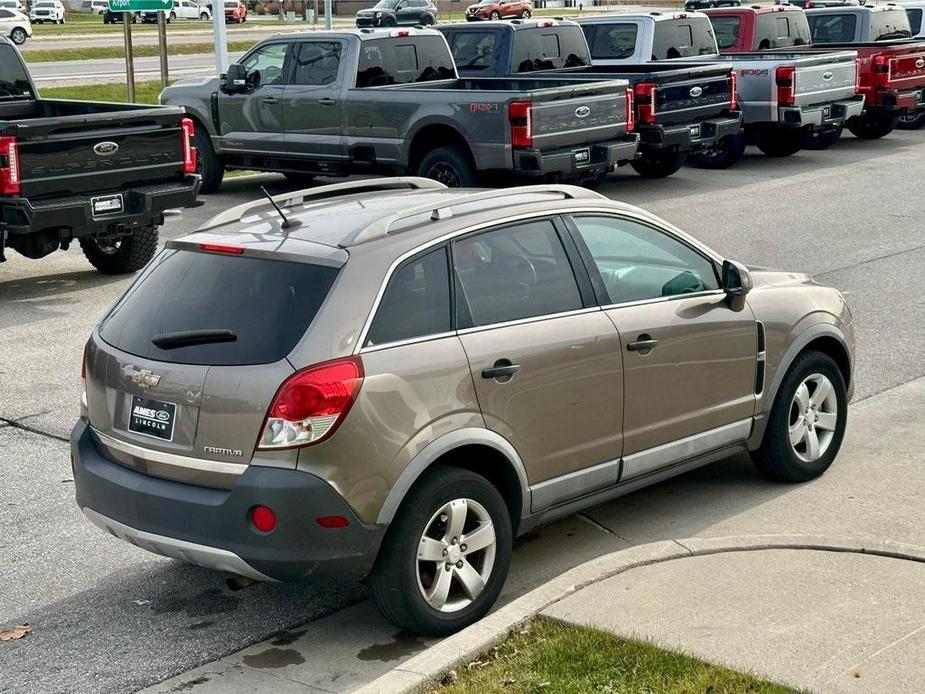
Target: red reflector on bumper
x: 332, y: 522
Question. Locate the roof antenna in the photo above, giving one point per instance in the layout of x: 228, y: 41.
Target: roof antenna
x: 287, y: 223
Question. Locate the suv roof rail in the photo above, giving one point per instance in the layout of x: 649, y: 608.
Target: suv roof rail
x: 384, y: 227
x: 237, y: 213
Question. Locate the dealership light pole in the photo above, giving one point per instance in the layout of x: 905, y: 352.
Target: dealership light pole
x: 328, y: 11
x: 220, y: 35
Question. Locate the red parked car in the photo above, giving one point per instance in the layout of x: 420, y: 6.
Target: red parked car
x: 499, y: 9
x: 235, y: 11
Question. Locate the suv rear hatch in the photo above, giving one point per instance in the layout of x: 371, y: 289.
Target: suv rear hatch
x: 182, y: 371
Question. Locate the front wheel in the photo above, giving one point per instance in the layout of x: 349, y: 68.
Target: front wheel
x: 122, y: 255
x: 911, y: 121
x: 720, y: 155
x: 873, y: 126
x: 495, y: 15
x: 807, y: 421
x: 446, y: 554
x: 18, y: 36
x: 779, y: 142
x: 204, y: 17
x: 659, y: 165
x: 526, y: 14
x: 451, y: 166
x: 816, y: 140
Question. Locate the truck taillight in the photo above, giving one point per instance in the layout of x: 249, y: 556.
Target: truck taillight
x: 10, y: 183
x: 187, y: 130
x: 311, y: 404
x: 83, y: 379
x: 520, y: 116
x: 786, y: 78
x: 882, y: 71
x: 857, y: 75
x: 645, y: 102
x: 630, y: 110
x: 733, y: 93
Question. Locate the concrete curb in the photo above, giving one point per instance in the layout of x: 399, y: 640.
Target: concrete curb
x: 428, y: 666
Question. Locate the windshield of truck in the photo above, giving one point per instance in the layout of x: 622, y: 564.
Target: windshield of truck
x: 261, y: 307
x: 889, y: 25
x: 611, y: 41
x: 473, y: 50
x: 549, y: 48
x: 833, y: 28
x: 683, y: 39
x: 726, y: 30
x: 915, y: 20
x: 14, y: 80
x: 404, y: 60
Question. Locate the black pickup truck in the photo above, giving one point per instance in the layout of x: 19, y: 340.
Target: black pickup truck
x: 680, y: 108
x: 100, y: 173
x: 389, y: 101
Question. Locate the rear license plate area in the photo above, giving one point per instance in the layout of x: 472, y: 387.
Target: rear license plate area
x: 695, y: 132
x: 103, y: 205
x: 582, y: 157
x: 826, y: 111
x: 152, y: 418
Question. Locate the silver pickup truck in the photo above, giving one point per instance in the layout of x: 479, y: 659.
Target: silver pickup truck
x: 787, y: 98
x: 390, y: 101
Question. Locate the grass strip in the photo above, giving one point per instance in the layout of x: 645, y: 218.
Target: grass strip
x: 62, y: 54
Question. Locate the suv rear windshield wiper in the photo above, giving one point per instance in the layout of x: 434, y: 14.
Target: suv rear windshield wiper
x: 185, y: 338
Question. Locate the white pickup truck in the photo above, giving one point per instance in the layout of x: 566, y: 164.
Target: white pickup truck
x: 787, y: 98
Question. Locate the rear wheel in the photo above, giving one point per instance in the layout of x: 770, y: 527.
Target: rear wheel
x: 451, y: 166
x: 18, y: 36
x: 526, y: 14
x: 807, y: 421
x: 911, y: 121
x: 779, y: 142
x: 816, y: 140
x: 446, y: 554
x: 721, y: 155
x: 495, y: 15
x: 172, y: 16
x: 659, y: 165
x: 122, y: 255
x: 204, y: 16
x: 208, y: 164
x: 872, y: 126
x: 427, y: 20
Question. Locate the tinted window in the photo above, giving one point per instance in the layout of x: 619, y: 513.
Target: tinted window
x: 391, y: 61
x: 265, y: 65
x: 317, y: 63
x: 266, y: 304
x: 473, y: 50
x: 611, y: 41
x: 416, y: 301
x: 549, y: 48
x: 832, y: 28
x: 893, y: 24
x: 515, y: 272
x: 5, y: 14
x: 672, y: 40
x: 915, y: 20
x: 726, y: 30
x: 637, y: 262
x: 13, y: 77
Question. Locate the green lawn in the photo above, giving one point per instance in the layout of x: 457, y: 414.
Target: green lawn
x: 551, y: 657
x: 54, y: 54
x: 145, y: 92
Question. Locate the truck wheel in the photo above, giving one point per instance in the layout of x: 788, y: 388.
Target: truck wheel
x: 208, y: 164
x: 911, y: 121
x: 449, y: 165
x: 127, y: 254
x: 807, y: 421
x: 204, y: 16
x: 873, y: 126
x: 721, y: 155
x: 659, y: 165
x: 446, y: 554
x: 816, y: 140
x: 18, y: 36
x: 779, y: 142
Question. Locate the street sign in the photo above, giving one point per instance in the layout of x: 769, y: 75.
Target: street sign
x: 139, y: 5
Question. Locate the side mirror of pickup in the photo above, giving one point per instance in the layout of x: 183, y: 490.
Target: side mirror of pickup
x: 737, y: 280
x: 235, y: 80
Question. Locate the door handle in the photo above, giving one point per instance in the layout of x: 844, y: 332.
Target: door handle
x: 270, y: 99
x: 503, y: 371
x: 643, y: 344
x: 327, y: 101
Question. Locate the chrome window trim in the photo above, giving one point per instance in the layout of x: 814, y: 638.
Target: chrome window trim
x: 662, y: 299
x: 531, y: 319
x: 409, y: 341
x: 570, y: 211
x: 171, y: 459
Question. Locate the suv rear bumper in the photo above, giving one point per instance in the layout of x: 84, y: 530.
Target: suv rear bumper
x: 212, y: 528
x: 829, y: 115
x: 142, y: 206
x: 567, y: 164
x: 683, y: 137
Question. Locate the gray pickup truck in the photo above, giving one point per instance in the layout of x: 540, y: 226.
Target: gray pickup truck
x: 390, y: 101
x: 788, y: 99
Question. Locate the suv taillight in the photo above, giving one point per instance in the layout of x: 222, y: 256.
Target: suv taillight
x: 9, y: 166
x: 645, y: 102
x: 311, y: 404
x: 733, y: 93
x: 630, y: 110
x: 519, y: 114
x: 786, y: 78
x: 188, y: 129
x: 83, y: 379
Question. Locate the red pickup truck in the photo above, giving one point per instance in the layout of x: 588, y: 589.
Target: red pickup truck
x: 759, y: 28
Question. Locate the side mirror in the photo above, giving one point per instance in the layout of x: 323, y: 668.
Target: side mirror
x: 235, y: 80
x: 737, y: 280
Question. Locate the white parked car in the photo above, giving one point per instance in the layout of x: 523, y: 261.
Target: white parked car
x: 94, y: 6
x: 15, y: 5
x: 47, y: 11
x: 16, y: 25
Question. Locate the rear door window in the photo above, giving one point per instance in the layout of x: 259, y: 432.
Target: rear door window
x: 317, y: 63
x: 832, y: 28
x: 548, y: 49
x: 267, y: 305
x: 611, y: 41
x: 682, y: 40
x: 396, y: 61
x: 726, y: 30
x: 473, y: 50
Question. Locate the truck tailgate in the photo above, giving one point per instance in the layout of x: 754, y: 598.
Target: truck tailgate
x: 905, y: 68
x: 562, y: 117
x: 678, y: 101
x: 829, y: 81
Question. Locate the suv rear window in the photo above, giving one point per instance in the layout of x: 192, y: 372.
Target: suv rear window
x: 267, y: 304
x: 394, y: 61
x: 832, y: 28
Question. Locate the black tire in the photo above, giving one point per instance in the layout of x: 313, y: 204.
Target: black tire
x: 172, y: 16
x: 394, y: 579
x: 779, y: 142
x: 594, y: 182
x: 817, y: 141
x: 911, y: 122
x: 128, y: 254
x: 495, y: 15
x: 659, y: 165
x: 209, y: 165
x: 873, y: 126
x: 389, y: 22
x: 427, y: 20
x: 204, y: 17
x: 451, y: 165
x: 721, y: 155
x: 18, y: 36
x: 526, y: 14
x: 776, y: 457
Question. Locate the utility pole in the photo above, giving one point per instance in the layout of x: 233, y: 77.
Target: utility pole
x: 328, y: 11
x: 162, y: 46
x: 129, y: 58
x: 221, y: 36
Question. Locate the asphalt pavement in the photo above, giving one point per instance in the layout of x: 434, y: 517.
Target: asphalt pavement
x: 111, y: 618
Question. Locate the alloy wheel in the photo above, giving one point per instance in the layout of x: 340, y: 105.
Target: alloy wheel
x: 446, y: 174
x: 813, y: 417
x: 456, y: 555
